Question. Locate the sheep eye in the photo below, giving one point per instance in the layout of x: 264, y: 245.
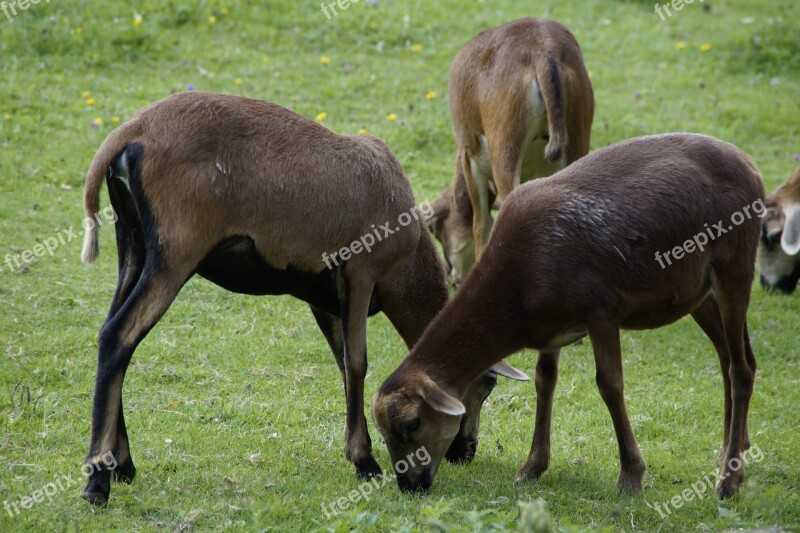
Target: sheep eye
x: 414, y: 425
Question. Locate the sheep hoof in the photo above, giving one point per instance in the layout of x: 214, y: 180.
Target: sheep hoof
x: 98, y: 488
x: 98, y: 499
x: 532, y: 470
x: 462, y: 450
x: 125, y: 472
x: 367, y: 468
x: 729, y: 486
x: 630, y: 483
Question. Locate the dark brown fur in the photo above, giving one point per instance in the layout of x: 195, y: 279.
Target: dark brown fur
x: 574, y: 255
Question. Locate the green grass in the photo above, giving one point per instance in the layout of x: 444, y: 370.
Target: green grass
x: 245, y: 388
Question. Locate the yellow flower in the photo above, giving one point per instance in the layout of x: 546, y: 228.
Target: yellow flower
x: 238, y: 81
x: 98, y: 121
x: 680, y: 45
x: 115, y: 120
x: 266, y: 60
x: 362, y: 131
x: 212, y: 20
x: 416, y: 48
x: 590, y: 74
x: 86, y: 94
x: 78, y: 31
x: 9, y: 117
x: 705, y: 47
x: 325, y: 60
x: 391, y: 116
x: 90, y: 101
x: 137, y: 20
x: 431, y: 95
x: 224, y: 10
x: 321, y: 116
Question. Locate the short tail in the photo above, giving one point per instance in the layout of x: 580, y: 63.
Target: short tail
x: 103, y: 159
x: 552, y: 89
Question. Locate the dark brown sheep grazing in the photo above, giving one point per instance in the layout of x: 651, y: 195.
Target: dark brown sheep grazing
x: 259, y: 200
x: 636, y: 236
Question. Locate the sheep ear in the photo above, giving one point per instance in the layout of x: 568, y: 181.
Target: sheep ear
x: 790, y: 240
x: 504, y: 369
x: 439, y: 400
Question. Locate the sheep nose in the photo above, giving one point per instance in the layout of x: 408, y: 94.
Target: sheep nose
x: 427, y: 480
x: 773, y: 237
x: 419, y: 483
x: 770, y: 236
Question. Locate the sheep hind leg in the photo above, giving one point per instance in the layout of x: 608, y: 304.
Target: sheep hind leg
x: 151, y: 297
x: 331, y: 327
x: 546, y: 379
x: 708, y: 317
x: 131, y: 254
x: 732, y: 289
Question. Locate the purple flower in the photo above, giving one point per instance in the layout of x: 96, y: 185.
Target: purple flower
x: 190, y: 87
x: 797, y: 157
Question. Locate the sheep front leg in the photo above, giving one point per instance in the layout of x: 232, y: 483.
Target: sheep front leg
x: 354, y: 297
x: 465, y: 444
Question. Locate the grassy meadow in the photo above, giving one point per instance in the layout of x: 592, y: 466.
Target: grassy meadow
x: 234, y: 404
